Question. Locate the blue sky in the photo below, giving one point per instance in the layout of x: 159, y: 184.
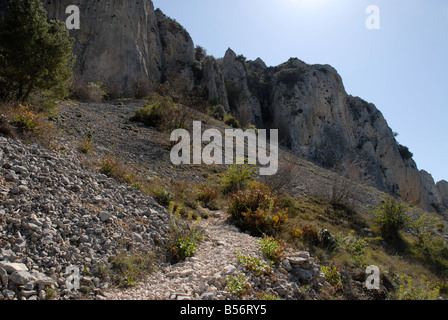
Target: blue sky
x: 402, y: 68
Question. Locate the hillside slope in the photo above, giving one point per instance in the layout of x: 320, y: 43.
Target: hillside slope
x: 133, y: 49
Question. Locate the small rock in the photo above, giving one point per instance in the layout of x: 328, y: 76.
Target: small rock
x: 303, y: 274
x: 286, y: 265
x: 42, y: 279
x: 21, y: 277
x: 105, y: 216
x: 28, y: 293
x: 4, y: 277
x: 11, y: 267
x: 19, y: 169
x: 8, y: 294
x: 42, y: 295
x: 185, y: 273
x: 229, y: 269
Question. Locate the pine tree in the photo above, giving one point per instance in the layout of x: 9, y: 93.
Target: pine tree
x: 35, y: 54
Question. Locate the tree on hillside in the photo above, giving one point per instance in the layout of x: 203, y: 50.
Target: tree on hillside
x: 36, y: 57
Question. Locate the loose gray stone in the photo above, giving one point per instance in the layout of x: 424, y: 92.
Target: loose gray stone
x: 9, y: 294
x: 4, y: 277
x: 303, y: 274
x: 11, y: 267
x: 21, y: 277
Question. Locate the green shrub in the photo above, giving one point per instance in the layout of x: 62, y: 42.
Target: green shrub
x: 125, y: 269
x: 355, y: 246
x: 93, y: 92
x: 409, y: 289
x: 207, y: 195
x: 256, y: 210
x: 162, y: 114
x: 182, y: 239
x: 289, y: 77
x: 231, y: 121
x: 26, y: 119
x: 218, y: 112
x: 238, y: 286
x: 183, y: 248
x: 307, y: 232
x: 110, y: 166
x: 272, y: 249
x: 390, y: 218
x: 404, y: 152
x: 86, y: 145
x: 254, y: 265
x: 326, y: 239
x: 332, y: 275
x: 237, y: 177
x: 268, y: 297
x: 163, y: 196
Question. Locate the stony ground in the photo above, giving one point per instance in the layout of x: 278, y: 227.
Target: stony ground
x: 54, y: 214
x: 205, y: 275
x: 57, y: 210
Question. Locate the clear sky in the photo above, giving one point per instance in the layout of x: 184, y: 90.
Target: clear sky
x: 402, y: 68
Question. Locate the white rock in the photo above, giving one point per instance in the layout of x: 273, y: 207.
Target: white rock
x: 21, y: 277
x: 11, y: 267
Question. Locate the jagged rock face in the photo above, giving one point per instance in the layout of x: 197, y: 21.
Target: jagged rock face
x: 442, y: 190
x: 318, y: 120
x: 210, y: 81
x: 241, y: 101
x: 124, y: 43
x: 178, y: 52
x: 118, y: 42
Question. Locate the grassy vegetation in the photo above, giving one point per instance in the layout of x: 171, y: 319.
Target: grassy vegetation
x: 126, y: 270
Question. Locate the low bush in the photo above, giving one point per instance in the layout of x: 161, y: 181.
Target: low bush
x: 182, y: 239
x: 231, y: 121
x: 93, y: 92
x: 272, y: 249
x: 86, y: 145
x: 237, y: 177
x: 207, y: 195
x: 27, y: 119
x: 218, y: 112
x: 237, y: 285
x: 355, y: 246
x: 257, y: 210
x: 409, y: 289
x: 307, y: 232
x: 332, y: 275
x: 163, y: 196
x: 125, y: 269
x: 254, y: 265
x: 162, y: 114
x: 326, y: 239
x: 34, y: 125
x: 390, y: 218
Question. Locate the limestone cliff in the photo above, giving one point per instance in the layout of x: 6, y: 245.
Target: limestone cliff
x: 118, y: 42
x: 319, y: 121
x: 124, y: 42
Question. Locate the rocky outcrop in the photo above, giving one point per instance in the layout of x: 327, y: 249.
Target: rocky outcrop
x: 118, y: 42
x: 123, y: 42
x: 126, y: 44
x: 320, y: 122
x: 241, y: 100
